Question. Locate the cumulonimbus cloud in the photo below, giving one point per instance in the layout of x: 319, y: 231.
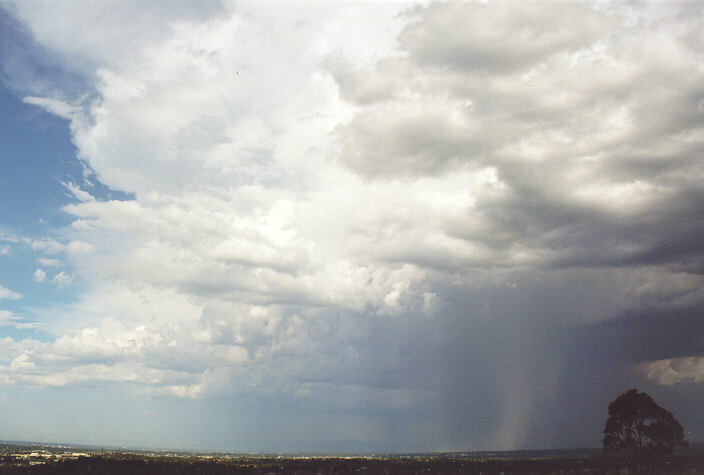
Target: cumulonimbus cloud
x: 311, y: 212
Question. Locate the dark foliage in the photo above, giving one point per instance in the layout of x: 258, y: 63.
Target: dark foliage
x: 640, y: 428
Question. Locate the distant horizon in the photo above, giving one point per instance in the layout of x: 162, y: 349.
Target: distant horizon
x: 22, y: 443
x: 694, y: 446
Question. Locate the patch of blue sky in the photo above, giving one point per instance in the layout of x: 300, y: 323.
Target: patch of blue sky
x: 37, y: 159
x: 31, y: 333
x: 37, y: 162
x: 17, y: 273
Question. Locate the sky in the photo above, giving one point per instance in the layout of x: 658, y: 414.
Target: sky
x: 348, y: 227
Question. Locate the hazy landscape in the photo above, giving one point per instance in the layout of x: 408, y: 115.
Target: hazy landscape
x: 58, y: 459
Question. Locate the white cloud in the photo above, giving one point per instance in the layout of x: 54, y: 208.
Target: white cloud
x: 8, y: 318
x: 4, y: 250
x: 55, y: 106
x: 675, y: 370
x: 49, y: 245
x: 39, y: 275
x: 6, y: 293
x: 61, y: 279
x: 49, y: 262
x: 79, y: 247
x: 81, y: 195
x: 8, y: 237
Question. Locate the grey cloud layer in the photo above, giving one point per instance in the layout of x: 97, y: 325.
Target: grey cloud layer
x: 594, y: 134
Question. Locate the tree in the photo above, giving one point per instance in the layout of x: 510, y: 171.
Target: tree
x: 640, y: 428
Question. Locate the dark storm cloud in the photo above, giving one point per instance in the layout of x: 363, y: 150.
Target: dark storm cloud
x: 588, y: 243
x: 604, y: 171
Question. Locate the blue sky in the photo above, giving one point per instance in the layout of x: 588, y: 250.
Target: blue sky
x: 350, y: 227
x: 37, y: 155
x: 38, y: 160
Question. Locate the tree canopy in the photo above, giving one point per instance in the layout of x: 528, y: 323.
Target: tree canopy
x: 638, y: 426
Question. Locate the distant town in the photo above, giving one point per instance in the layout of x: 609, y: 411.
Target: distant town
x: 37, y: 458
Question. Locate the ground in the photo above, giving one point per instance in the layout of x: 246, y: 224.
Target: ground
x: 53, y: 459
